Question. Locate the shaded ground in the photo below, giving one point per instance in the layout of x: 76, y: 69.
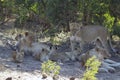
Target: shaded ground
x: 30, y: 68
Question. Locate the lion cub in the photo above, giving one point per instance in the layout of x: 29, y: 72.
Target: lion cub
x: 99, y: 51
x: 63, y: 56
x: 42, y: 56
x: 18, y: 56
x: 60, y: 57
x: 42, y: 51
x: 24, y: 43
x: 39, y: 51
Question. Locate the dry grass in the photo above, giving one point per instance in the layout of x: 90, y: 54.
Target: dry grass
x: 116, y: 38
x: 57, y: 39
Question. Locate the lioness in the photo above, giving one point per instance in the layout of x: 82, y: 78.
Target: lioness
x: 98, y: 50
x: 86, y: 34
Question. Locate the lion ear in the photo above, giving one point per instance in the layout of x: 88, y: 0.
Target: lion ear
x: 50, y: 47
x: 81, y: 27
x: 76, y: 48
x: 43, y: 50
x: 26, y: 34
x: 56, y: 47
x: 19, y: 36
x: 98, y: 42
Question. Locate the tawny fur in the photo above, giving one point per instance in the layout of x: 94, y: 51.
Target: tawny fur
x: 99, y: 52
x: 43, y: 56
x: 29, y: 47
x: 86, y: 34
x: 60, y: 57
x: 64, y: 56
x: 18, y: 56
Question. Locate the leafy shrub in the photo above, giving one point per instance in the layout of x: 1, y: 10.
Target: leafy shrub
x: 59, y: 38
x: 92, y: 66
x: 108, y: 22
x: 50, y: 67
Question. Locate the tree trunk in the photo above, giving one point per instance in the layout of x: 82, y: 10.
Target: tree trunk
x: 67, y: 26
x: 86, y: 14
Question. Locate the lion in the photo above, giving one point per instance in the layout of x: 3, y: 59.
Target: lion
x: 42, y: 52
x: 27, y: 44
x: 61, y: 56
x: 102, y: 55
x: 107, y: 65
x: 17, y: 56
x: 24, y: 42
x: 39, y: 51
x: 27, y: 38
x: 86, y: 34
x: 98, y: 50
x: 42, y: 56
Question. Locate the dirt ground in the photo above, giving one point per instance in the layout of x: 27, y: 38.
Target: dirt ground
x: 30, y: 69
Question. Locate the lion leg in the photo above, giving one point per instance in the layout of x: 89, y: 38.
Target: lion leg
x: 72, y: 43
x: 108, y: 67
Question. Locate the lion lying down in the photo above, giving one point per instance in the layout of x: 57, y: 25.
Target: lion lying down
x: 102, y: 55
x: 26, y: 45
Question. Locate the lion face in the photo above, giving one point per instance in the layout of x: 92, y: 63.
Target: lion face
x: 74, y: 27
x: 18, y: 56
x: 100, y: 53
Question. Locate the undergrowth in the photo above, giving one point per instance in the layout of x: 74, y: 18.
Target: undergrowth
x: 92, y: 66
x: 51, y: 68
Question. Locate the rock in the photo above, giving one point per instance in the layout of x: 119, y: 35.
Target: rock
x: 55, y: 77
x: 9, y: 78
x: 44, y: 76
x: 72, y: 78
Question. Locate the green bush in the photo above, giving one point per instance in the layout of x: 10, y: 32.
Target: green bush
x: 92, y: 66
x: 49, y: 67
x: 59, y: 38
